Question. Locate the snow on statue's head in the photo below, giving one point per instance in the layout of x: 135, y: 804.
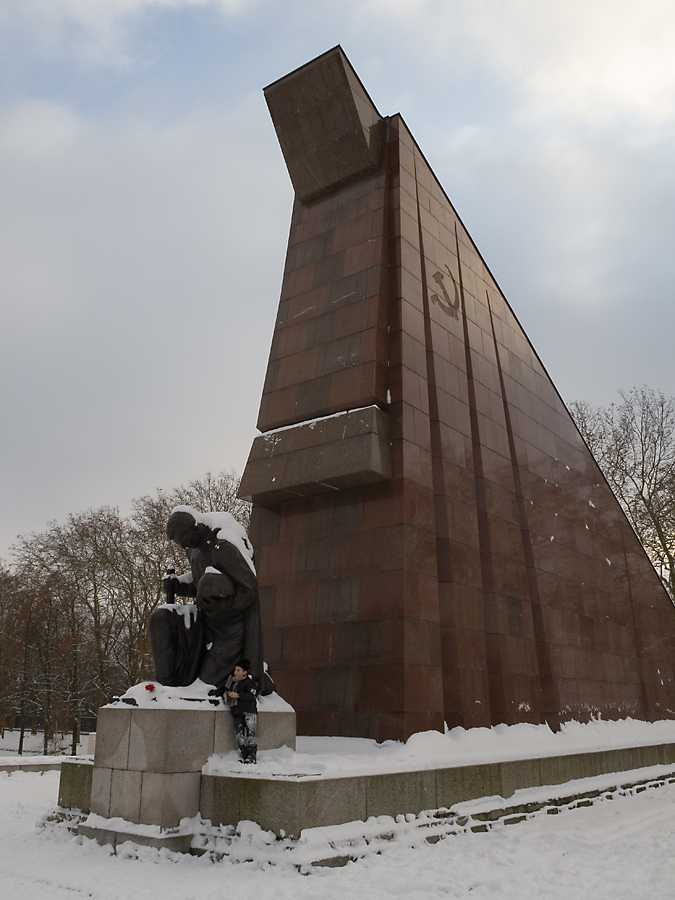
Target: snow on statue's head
x: 189, y: 527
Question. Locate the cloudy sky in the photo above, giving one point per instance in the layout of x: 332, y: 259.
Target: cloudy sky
x: 145, y: 207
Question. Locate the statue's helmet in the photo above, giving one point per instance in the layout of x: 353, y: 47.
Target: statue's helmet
x: 183, y: 529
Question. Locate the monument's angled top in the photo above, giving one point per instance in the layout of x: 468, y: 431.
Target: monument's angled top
x: 328, y: 127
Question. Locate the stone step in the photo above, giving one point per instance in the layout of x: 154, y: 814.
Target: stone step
x: 338, y: 845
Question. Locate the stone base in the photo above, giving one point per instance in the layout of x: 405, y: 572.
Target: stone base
x: 75, y: 784
x: 148, y: 771
x: 180, y: 843
x: 287, y: 805
x: 148, y: 762
x: 146, y: 798
x: 323, y: 847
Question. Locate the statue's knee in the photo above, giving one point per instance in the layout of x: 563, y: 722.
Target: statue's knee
x: 159, y: 620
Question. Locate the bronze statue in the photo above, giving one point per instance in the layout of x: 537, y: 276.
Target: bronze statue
x: 205, y: 640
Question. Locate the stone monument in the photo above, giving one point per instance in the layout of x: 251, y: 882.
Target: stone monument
x: 153, y: 742
x: 435, y: 542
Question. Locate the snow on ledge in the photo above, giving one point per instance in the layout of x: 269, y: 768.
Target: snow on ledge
x: 153, y: 695
x: 340, y: 757
x: 312, y: 423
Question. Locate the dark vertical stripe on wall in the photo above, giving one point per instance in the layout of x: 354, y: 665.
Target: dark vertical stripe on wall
x: 438, y: 475
x: 637, y: 638
x: 493, y: 654
x: 548, y: 691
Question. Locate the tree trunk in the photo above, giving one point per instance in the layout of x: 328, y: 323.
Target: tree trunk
x: 76, y: 734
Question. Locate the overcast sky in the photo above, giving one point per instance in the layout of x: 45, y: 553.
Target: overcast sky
x: 145, y: 206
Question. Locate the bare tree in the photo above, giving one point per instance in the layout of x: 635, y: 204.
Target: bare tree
x: 74, y: 559
x: 16, y: 653
x: 212, y: 492
x: 634, y: 444
x: 75, y: 604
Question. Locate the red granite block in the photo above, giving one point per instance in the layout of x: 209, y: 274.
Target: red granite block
x: 365, y: 255
x: 422, y: 640
x: 311, y: 645
x: 313, y: 399
x: 475, y: 700
x: 306, y: 228
x: 292, y: 339
x: 314, y: 722
x: 423, y: 688
x: 305, y: 305
x: 342, y: 511
x: 394, y: 724
x: 495, y: 613
x: 422, y: 597
x: 461, y: 606
x: 337, y: 599
x: 374, y: 344
x: 265, y: 525
x: 332, y: 689
x: 318, y: 557
x: 280, y: 407
x: 479, y: 650
x: 356, y: 317
x: 383, y: 504
x: 298, y: 281
x: 278, y: 644
x: 380, y: 688
x: 297, y: 367
x: 382, y: 595
x: 466, y: 568
x: 352, y: 233
x: 300, y: 519
x: 294, y: 682
x: 386, y: 549
x: 294, y: 603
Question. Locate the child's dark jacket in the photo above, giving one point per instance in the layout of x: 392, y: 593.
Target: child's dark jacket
x: 248, y: 693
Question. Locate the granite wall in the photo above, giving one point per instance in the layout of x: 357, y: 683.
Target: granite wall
x: 434, y: 540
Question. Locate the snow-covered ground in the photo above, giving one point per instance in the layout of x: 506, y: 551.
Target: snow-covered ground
x: 33, y: 744
x: 342, y: 757
x: 620, y: 849
x: 617, y: 850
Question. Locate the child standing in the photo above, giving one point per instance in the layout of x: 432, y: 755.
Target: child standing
x: 240, y: 694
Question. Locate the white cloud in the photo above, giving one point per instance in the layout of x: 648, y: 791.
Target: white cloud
x: 96, y: 208
x: 590, y: 61
x: 38, y: 128
x: 140, y: 266
x: 98, y: 31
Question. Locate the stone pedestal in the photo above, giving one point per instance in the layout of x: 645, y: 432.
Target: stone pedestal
x: 147, y: 767
x: 289, y: 804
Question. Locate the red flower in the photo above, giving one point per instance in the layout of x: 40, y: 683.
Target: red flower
x: 149, y: 687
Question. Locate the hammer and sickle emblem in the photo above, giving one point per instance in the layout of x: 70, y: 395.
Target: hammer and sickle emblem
x: 448, y: 306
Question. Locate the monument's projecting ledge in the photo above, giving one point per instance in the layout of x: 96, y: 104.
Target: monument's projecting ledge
x: 328, y: 127
x: 331, y: 453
